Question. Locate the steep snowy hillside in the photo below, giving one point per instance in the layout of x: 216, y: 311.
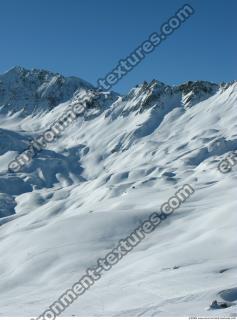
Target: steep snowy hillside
x: 97, y: 182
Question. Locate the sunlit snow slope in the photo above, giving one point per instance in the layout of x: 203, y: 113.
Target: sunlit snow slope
x: 100, y: 180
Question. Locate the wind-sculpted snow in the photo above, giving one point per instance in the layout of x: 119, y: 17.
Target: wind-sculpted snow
x: 104, y: 175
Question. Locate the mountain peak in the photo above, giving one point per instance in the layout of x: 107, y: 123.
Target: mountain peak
x: 16, y: 69
x: 36, y: 89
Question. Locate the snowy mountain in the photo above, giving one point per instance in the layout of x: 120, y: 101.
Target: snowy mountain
x: 106, y: 173
x: 36, y: 90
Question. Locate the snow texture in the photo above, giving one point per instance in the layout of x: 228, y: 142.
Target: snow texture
x: 100, y: 180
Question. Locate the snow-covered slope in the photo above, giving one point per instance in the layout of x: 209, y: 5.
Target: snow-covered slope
x: 103, y: 177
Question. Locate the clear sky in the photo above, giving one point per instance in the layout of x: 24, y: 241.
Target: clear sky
x: 87, y: 38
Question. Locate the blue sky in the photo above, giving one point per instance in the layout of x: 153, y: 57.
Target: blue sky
x: 87, y: 38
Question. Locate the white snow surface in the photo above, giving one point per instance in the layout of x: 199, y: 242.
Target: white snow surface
x: 97, y: 183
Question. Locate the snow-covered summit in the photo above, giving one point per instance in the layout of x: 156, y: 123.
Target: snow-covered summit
x: 36, y: 90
